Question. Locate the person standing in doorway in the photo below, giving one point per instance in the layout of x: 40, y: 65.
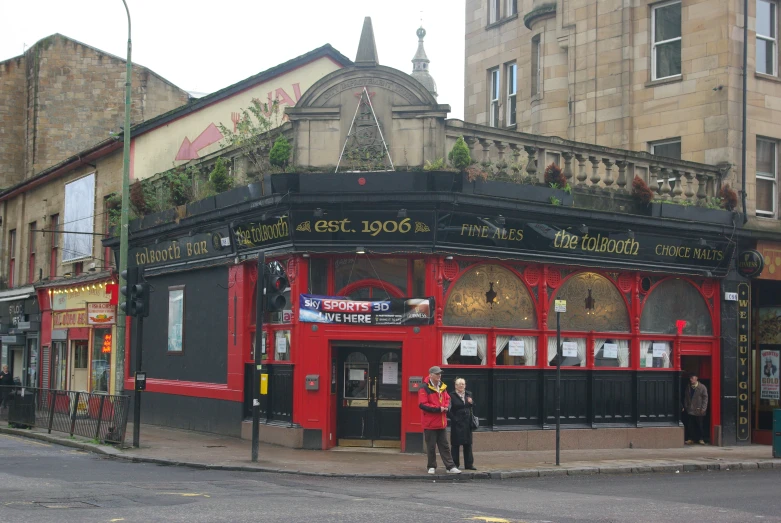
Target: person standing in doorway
x: 434, y: 402
x: 695, y: 404
x: 460, y: 414
x: 6, y: 381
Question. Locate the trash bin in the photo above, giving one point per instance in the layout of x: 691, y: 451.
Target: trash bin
x: 777, y: 433
x: 21, y: 411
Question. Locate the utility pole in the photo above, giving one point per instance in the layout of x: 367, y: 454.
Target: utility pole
x: 260, y: 308
x: 119, y: 376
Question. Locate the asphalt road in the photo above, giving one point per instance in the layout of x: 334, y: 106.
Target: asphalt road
x: 45, y: 482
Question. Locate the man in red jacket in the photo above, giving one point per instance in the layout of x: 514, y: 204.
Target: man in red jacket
x: 434, y: 401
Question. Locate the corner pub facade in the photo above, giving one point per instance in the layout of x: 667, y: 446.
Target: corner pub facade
x: 393, y: 271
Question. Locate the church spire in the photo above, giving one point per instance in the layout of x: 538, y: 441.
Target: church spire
x: 420, y: 65
x: 367, y: 49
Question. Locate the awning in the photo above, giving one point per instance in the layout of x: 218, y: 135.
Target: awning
x: 15, y: 298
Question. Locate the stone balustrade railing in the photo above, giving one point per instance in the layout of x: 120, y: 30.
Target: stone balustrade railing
x: 589, y: 167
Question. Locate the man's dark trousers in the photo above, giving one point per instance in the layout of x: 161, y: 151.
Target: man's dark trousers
x: 696, y: 427
x: 438, y: 438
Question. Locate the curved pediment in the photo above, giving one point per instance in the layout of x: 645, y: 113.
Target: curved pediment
x: 397, y: 85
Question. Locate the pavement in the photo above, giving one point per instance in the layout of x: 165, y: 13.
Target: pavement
x: 174, y: 447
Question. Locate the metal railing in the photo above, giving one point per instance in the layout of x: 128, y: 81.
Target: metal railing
x: 98, y: 416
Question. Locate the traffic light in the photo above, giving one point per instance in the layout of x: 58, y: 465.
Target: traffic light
x: 140, y: 305
x: 276, y: 284
x: 130, y: 277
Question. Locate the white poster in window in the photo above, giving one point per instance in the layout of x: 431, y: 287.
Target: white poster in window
x: 80, y: 217
x: 281, y: 345
x: 649, y: 361
x: 610, y: 350
x: 357, y: 374
x: 517, y: 348
x: 660, y: 349
x: 769, y: 375
x: 468, y: 348
x: 390, y: 373
x: 569, y: 349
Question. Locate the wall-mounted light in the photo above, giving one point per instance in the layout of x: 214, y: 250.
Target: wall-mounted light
x: 500, y: 220
x: 67, y: 275
x: 490, y: 295
x: 305, y: 255
x: 402, y: 213
x: 360, y: 250
x: 318, y: 213
x: 631, y: 234
x: 590, y: 303
x: 583, y: 229
x: 448, y: 258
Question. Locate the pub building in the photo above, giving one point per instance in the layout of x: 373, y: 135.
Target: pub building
x: 78, y: 317
x: 393, y: 271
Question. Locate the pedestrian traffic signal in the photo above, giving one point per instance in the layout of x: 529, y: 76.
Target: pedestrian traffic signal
x: 276, y: 285
x: 129, y: 278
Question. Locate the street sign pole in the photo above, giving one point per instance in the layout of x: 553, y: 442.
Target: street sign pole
x: 558, y: 387
x: 260, y: 307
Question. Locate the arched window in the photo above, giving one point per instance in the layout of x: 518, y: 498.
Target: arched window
x: 593, y: 304
x: 490, y: 296
x: 673, y: 300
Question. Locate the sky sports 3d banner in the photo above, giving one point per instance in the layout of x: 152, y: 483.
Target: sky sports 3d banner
x: 344, y: 311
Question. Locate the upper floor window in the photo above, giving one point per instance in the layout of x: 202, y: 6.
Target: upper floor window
x: 512, y: 89
x: 31, y: 253
x: 11, y: 256
x: 493, y: 110
x: 666, y: 40
x: 535, y: 65
x: 766, y: 37
x: 668, y: 148
x: 512, y: 7
x: 493, y: 11
x: 767, y: 176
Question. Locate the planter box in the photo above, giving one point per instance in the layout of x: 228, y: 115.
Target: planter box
x: 515, y: 191
x: 239, y: 195
x: 693, y: 213
x: 391, y: 181
x: 158, y: 218
x: 282, y: 183
x: 201, y: 206
x: 443, y: 181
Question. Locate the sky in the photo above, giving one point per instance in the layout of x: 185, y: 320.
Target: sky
x: 205, y: 46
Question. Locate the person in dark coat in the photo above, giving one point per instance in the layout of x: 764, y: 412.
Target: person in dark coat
x: 460, y: 414
x: 6, y: 381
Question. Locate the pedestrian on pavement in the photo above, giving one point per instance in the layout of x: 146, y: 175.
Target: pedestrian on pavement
x: 434, y: 402
x: 695, y: 404
x: 6, y: 381
x: 460, y: 414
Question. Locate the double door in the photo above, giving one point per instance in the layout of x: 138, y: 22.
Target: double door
x: 369, y: 397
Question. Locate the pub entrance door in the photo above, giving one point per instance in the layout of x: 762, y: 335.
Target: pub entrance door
x: 369, y: 396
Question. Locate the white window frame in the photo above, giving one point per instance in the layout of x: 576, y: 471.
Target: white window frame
x: 654, y: 145
x: 536, y: 72
x: 512, y: 93
x: 654, y: 43
x: 494, y: 80
x: 773, y: 40
x: 772, y: 177
x: 511, y: 7
x: 493, y: 11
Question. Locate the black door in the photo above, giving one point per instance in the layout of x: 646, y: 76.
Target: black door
x: 369, y: 391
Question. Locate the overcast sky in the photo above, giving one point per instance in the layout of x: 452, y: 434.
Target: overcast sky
x: 205, y: 46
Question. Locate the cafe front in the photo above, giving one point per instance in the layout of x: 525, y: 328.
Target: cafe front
x: 20, y: 335
x: 80, y: 319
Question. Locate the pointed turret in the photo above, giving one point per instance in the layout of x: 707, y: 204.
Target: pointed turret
x: 367, y: 49
x: 420, y: 65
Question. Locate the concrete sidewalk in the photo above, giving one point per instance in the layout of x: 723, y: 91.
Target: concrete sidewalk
x: 210, y: 451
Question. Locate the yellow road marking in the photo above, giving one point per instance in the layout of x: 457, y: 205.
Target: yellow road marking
x: 26, y: 440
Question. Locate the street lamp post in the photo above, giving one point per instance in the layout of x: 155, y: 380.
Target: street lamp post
x: 120, y: 353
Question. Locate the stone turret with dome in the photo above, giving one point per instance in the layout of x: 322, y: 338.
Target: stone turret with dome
x: 420, y: 64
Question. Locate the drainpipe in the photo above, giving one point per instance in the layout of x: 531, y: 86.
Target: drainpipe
x: 745, y: 92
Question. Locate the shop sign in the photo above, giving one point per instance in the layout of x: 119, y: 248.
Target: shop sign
x: 744, y: 301
x: 364, y: 227
x: 769, y: 375
x: 262, y: 232
x: 341, y: 310
x: 106, y: 347
x: 101, y: 314
x: 771, y: 254
x: 750, y: 263
x: 69, y: 319
x: 199, y: 246
x: 579, y: 243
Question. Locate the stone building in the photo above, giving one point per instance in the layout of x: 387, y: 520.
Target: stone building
x: 62, y: 96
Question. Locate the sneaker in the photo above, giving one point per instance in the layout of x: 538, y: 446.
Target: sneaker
x: 454, y: 470
x: 702, y: 442
x: 688, y: 442
x: 432, y: 471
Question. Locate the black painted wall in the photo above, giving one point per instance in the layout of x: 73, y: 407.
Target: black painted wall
x: 184, y: 412
x: 205, y: 355
x: 729, y: 361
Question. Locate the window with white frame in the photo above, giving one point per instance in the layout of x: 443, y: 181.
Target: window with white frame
x: 493, y: 11
x: 512, y: 7
x: 767, y: 175
x: 535, y: 65
x: 766, y: 37
x: 493, y: 110
x: 667, y: 148
x: 512, y: 90
x: 666, y: 40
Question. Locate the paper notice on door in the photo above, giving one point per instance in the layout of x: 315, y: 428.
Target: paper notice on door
x: 281, y: 345
x: 517, y: 348
x: 649, y: 360
x: 468, y: 348
x: 610, y: 350
x: 660, y: 349
x: 357, y: 374
x: 569, y: 349
x: 390, y: 373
